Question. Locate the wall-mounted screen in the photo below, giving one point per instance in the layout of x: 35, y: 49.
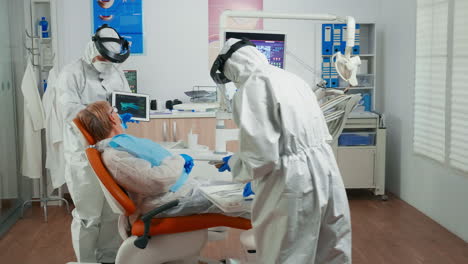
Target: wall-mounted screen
x: 272, y: 45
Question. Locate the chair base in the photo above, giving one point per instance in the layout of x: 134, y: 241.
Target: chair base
x: 173, y: 248
x: 248, y: 243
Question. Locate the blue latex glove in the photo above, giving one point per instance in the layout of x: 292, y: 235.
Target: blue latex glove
x: 125, y: 118
x: 247, y: 190
x: 188, y: 162
x: 225, y: 165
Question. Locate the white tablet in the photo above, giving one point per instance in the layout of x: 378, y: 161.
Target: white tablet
x: 136, y: 104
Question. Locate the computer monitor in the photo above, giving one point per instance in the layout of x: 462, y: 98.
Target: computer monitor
x: 270, y: 44
x: 136, y: 104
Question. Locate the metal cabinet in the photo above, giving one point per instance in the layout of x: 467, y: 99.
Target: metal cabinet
x: 363, y: 167
x: 357, y: 166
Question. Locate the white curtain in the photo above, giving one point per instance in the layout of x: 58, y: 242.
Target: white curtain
x: 430, y: 83
x: 459, y: 101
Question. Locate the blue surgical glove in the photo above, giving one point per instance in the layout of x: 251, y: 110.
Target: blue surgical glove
x: 247, y: 190
x: 188, y: 162
x: 125, y: 118
x: 225, y: 165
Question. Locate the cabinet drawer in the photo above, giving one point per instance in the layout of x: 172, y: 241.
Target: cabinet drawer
x: 156, y: 129
x: 357, y: 166
x: 204, y: 127
x: 176, y: 129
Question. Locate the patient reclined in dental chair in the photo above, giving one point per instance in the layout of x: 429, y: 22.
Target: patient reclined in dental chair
x: 151, y: 175
x: 181, y: 214
x: 152, y: 186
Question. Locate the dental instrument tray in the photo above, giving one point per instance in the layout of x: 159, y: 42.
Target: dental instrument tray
x: 227, y: 197
x: 202, y: 94
x: 197, y: 107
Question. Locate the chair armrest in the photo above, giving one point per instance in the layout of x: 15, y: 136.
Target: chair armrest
x: 148, y: 216
x: 142, y: 241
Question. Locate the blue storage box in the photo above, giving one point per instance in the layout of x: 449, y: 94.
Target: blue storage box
x: 356, y: 139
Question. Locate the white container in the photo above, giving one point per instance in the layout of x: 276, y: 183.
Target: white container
x: 364, y: 68
x: 192, y: 141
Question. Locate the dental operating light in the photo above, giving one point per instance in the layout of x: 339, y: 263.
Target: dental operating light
x: 345, y: 64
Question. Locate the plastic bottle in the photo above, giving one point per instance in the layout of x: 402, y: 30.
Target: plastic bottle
x: 366, y: 98
x: 44, y: 27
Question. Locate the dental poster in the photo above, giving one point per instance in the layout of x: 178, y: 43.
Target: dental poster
x: 216, y: 7
x: 123, y: 15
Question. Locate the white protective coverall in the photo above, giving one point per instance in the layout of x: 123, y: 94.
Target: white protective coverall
x: 31, y: 162
x: 94, y: 226
x: 148, y: 186
x: 55, y: 161
x: 300, y: 212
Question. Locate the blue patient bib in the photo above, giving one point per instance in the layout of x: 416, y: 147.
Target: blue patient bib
x: 148, y: 150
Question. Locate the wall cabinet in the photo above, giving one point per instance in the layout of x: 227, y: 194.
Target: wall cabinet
x: 177, y: 129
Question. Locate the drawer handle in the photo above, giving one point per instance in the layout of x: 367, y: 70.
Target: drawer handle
x: 174, y: 129
x: 164, y: 131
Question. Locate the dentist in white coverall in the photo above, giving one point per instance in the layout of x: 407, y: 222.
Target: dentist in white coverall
x: 300, y: 212
x: 89, y: 79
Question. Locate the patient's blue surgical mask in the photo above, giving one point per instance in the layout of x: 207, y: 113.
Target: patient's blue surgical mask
x: 124, y: 125
x: 125, y: 118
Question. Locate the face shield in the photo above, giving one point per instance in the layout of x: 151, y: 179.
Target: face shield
x: 217, y: 70
x: 225, y: 104
x: 217, y: 74
x: 111, y: 45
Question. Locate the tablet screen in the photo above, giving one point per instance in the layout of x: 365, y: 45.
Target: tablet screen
x: 135, y: 104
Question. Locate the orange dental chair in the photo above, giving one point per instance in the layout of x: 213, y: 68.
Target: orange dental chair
x: 154, y: 240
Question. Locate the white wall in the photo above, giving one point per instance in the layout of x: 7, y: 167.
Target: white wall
x: 433, y: 188
x: 18, y: 22
x: 176, y: 53
x: 176, y: 39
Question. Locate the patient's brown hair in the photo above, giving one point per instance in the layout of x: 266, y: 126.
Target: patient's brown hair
x: 95, y: 119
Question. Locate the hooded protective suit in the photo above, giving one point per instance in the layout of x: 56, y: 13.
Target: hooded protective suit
x: 94, y: 226
x: 300, y: 213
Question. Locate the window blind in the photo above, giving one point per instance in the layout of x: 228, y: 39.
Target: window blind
x: 430, y: 83
x: 459, y: 101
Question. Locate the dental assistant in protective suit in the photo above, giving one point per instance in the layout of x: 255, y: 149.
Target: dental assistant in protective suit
x: 89, y: 79
x: 300, y: 212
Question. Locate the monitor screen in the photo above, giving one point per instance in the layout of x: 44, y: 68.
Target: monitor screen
x: 272, y: 45
x: 135, y: 104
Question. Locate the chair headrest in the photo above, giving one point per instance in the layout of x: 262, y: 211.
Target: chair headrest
x: 86, y: 134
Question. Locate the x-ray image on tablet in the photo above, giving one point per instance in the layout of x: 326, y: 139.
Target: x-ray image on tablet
x: 136, y: 104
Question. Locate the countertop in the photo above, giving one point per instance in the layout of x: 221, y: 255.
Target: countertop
x: 182, y: 114
x: 187, y: 114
